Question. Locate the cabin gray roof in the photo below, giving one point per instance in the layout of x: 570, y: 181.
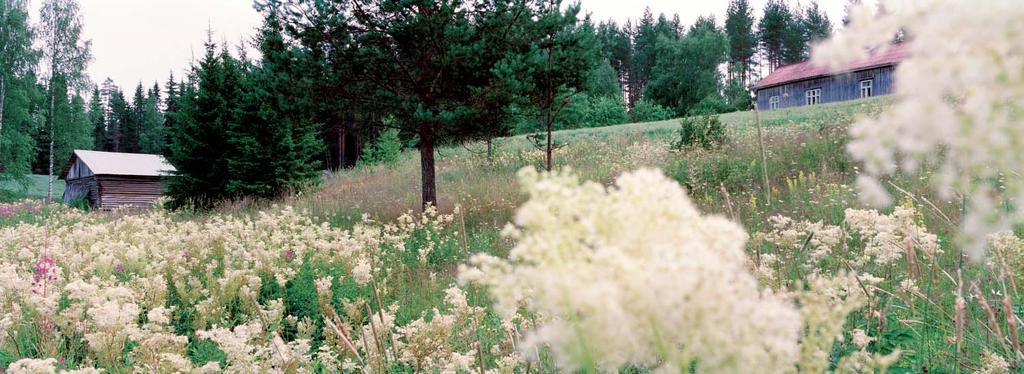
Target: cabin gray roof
x: 115, y: 163
x: 890, y: 55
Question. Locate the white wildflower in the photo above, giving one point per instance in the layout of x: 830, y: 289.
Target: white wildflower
x: 629, y: 274
x: 958, y: 103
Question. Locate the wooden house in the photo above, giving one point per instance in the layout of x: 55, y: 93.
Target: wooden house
x: 110, y: 180
x: 808, y: 84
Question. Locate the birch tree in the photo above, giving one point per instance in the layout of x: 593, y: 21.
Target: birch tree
x: 65, y: 56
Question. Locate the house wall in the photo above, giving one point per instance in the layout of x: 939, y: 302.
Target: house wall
x: 834, y: 88
x: 117, y: 191
x: 84, y: 187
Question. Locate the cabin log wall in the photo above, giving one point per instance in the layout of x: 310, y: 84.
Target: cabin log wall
x: 834, y: 88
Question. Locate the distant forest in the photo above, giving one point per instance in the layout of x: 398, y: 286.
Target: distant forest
x: 335, y: 77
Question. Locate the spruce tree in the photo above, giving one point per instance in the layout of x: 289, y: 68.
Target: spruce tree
x: 199, y: 144
x: 152, y: 134
x: 274, y: 145
x: 132, y: 130
x: 97, y: 119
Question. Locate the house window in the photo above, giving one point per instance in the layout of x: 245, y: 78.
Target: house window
x: 813, y: 96
x: 867, y: 88
x: 773, y: 102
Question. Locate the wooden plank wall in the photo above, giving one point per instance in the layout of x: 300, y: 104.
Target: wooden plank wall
x: 120, y: 191
x: 834, y: 88
x: 82, y: 187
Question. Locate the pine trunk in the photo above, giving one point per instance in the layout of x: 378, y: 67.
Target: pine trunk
x: 427, y: 166
x: 548, y: 150
x: 342, y: 161
x: 49, y: 180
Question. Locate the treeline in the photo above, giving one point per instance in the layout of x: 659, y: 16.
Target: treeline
x: 679, y: 67
x: 333, y: 76
x: 43, y: 115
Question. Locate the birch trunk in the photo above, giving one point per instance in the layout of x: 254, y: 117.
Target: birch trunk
x: 3, y: 97
x: 49, y: 180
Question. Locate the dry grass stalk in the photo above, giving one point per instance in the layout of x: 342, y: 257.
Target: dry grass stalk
x: 764, y: 157
x: 728, y: 202
x: 993, y: 324
x: 1008, y: 312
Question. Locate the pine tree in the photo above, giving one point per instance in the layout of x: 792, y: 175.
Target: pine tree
x: 397, y: 52
x: 816, y: 23
x: 739, y: 27
x: 772, y: 32
x: 558, y: 65
x: 794, y: 42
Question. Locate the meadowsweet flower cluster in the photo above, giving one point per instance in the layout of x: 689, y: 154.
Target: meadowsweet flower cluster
x: 817, y: 239
x: 634, y: 275
x: 142, y: 289
x: 890, y: 237
x: 958, y: 103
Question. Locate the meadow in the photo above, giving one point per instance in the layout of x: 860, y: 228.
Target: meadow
x: 349, y: 276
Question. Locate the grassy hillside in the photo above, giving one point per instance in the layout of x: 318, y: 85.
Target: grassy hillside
x: 486, y: 189
x: 34, y: 186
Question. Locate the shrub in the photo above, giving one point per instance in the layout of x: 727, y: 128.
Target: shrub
x: 706, y: 131
x: 385, y: 150
x: 603, y: 111
x: 713, y: 104
x: 647, y: 111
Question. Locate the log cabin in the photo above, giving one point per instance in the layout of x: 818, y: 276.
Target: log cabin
x: 806, y: 83
x: 109, y: 180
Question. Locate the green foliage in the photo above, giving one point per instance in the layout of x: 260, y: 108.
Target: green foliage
x: 816, y: 25
x: 18, y: 92
x: 737, y: 95
x: 773, y: 29
x: 739, y: 28
x: 712, y: 104
x: 199, y: 144
x: 595, y: 111
x: 384, y: 150
x: 704, y: 131
x: 687, y: 69
x: 152, y: 134
x: 603, y: 80
x: 240, y: 131
x: 648, y: 111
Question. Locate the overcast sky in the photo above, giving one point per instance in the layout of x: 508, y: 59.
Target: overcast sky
x: 144, y: 40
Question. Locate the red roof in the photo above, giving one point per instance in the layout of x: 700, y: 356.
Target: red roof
x: 807, y: 70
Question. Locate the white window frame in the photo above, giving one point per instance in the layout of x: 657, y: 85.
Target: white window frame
x: 867, y: 88
x: 812, y: 96
x: 773, y: 102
